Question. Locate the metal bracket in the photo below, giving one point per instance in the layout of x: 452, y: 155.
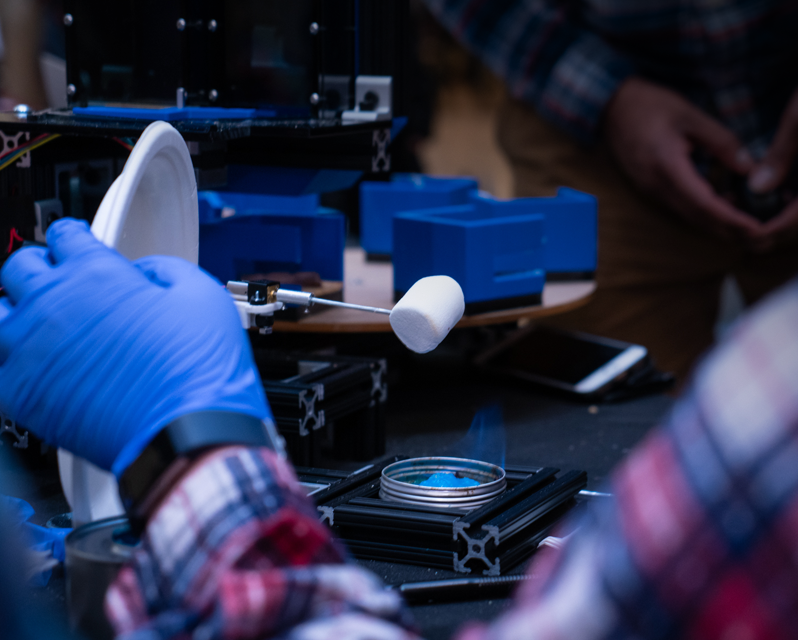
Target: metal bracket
x: 476, y: 549
x: 255, y: 303
x: 327, y: 515
x: 11, y: 142
x: 334, y: 90
x: 373, y: 100
x: 7, y: 425
x: 47, y: 212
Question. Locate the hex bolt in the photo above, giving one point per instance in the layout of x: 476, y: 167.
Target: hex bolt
x: 181, y: 24
x: 71, y: 89
x: 213, y: 95
x: 315, y: 98
x: 68, y: 20
x: 212, y: 25
x: 314, y: 28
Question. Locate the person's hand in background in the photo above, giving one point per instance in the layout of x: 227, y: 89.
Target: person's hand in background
x: 652, y: 132
x: 98, y: 354
x: 771, y: 174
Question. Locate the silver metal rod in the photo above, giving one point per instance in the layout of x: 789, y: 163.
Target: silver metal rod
x: 348, y: 305
x: 305, y: 299
x: 595, y: 494
x: 289, y: 296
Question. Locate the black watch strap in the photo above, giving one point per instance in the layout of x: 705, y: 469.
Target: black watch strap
x: 187, y: 435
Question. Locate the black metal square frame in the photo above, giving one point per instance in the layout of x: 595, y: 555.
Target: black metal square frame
x: 489, y: 540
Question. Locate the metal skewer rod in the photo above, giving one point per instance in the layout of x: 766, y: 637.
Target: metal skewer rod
x: 305, y: 299
x: 349, y: 305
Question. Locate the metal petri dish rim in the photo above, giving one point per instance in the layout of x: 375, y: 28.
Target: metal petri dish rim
x: 399, y: 482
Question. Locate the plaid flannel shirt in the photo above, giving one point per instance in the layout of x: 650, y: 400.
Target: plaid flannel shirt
x: 237, y: 550
x: 734, y: 58
x: 701, y: 540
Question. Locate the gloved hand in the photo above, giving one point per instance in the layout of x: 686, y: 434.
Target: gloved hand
x: 98, y: 353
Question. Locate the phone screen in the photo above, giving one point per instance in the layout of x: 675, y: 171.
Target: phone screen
x: 558, y: 356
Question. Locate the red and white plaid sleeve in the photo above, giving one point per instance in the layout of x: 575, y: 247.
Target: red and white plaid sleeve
x: 236, y: 550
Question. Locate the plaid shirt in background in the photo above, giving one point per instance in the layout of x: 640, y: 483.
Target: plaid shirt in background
x: 701, y: 540
x: 737, y: 59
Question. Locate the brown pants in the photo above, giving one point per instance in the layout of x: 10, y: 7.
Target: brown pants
x: 658, y: 278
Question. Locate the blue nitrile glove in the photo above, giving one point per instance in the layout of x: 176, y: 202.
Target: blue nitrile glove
x: 45, y: 544
x: 98, y: 353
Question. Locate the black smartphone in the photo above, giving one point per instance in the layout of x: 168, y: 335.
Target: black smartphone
x: 580, y: 363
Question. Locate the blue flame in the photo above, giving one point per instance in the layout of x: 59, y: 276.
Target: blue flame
x: 486, y: 439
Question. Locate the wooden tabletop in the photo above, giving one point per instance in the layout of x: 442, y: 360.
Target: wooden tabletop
x: 371, y: 283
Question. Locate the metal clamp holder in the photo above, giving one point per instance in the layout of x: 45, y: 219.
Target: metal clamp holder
x: 258, y: 301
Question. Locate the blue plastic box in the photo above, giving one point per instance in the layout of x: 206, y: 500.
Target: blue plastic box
x: 218, y: 205
x: 242, y: 234
x: 379, y: 201
x: 571, y: 230
x: 495, y: 253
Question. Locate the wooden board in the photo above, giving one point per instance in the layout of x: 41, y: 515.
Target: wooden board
x: 371, y: 283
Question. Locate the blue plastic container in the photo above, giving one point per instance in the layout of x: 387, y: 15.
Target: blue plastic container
x: 242, y: 234
x: 218, y: 205
x: 495, y: 253
x: 571, y: 230
x: 379, y: 201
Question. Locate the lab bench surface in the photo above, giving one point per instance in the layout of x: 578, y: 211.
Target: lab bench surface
x: 431, y: 406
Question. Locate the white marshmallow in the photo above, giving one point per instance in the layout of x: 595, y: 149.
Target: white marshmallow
x: 427, y: 312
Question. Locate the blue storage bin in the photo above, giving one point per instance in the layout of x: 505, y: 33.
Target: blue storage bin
x: 269, y: 233
x: 494, y: 252
x: 379, y: 201
x: 571, y: 230
x: 218, y: 205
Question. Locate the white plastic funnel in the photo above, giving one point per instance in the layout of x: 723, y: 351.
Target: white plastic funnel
x: 150, y: 209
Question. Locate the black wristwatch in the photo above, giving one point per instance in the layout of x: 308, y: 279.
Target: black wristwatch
x: 183, y: 440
